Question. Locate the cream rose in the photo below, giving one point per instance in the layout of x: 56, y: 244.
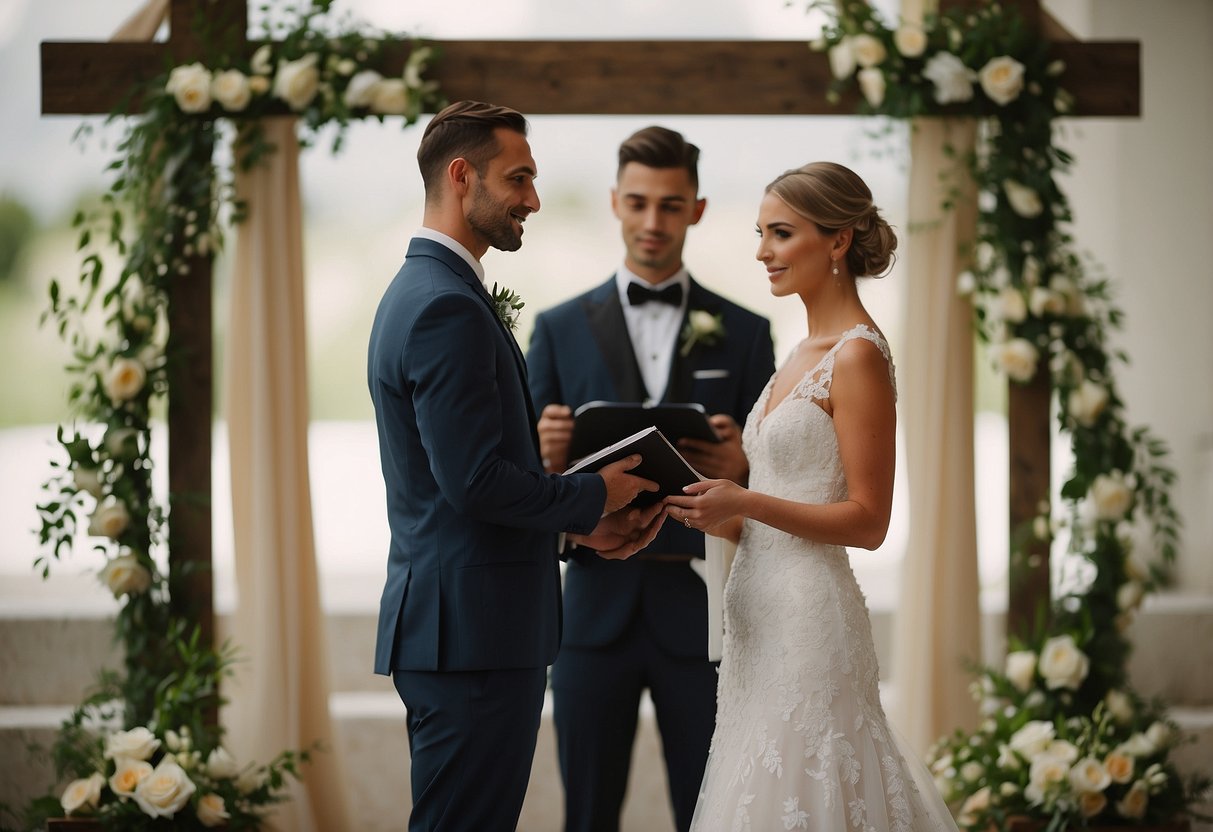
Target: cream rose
x: 1119, y: 766
x: 221, y: 765
x: 135, y: 744
x: 842, y: 59
x: 1002, y: 79
x: 124, y: 379
x: 1086, y: 402
x: 390, y: 97
x: 361, y: 89
x: 1023, y: 200
x: 261, y: 60
x: 1160, y: 735
x: 1135, y: 801
x: 190, y: 86
x: 1012, y: 306
x: 868, y: 50
x: 1137, y: 745
x: 1021, y: 669
x: 125, y: 575
x: 1017, y: 358
x: 1045, y: 771
x: 297, y: 82
x: 1032, y: 739
x: 259, y: 85
x: 413, y: 67
x: 1128, y: 597
x: 1110, y: 496
x: 977, y: 802
x: 1092, y: 803
x: 88, y: 480
x: 1120, y: 706
x: 231, y: 89
x: 121, y: 443
x: 1089, y: 775
x: 1062, y: 664
x: 212, y: 811
x: 127, y: 776
x: 165, y: 791
x: 1042, y: 301
x: 82, y: 795
x: 910, y: 40
x: 110, y: 519
x: 250, y: 780
x: 972, y: 771
x: 953, y: 81
x: 872, y: 85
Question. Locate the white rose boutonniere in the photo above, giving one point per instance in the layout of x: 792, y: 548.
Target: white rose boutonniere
x: 508, y: 306
x: 702, y: 327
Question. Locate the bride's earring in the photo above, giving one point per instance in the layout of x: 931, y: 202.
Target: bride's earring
x: 834, y: 270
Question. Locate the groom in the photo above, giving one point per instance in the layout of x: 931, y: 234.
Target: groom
x: 470, y: 614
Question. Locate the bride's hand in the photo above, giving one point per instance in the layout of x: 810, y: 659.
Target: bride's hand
x: 705, y: 505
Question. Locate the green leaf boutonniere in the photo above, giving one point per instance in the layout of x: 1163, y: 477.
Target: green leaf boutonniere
x: 508, y: 306
x: 702, y: 327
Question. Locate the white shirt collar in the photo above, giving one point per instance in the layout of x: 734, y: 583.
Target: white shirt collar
x: 624, y: 276
x: 454, y: 245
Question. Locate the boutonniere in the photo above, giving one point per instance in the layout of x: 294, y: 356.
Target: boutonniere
x: 702, y: 327
x: 508, y: 305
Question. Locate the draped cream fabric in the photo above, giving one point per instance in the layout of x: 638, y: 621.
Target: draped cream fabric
x: 281, y: 698
x: 938, y: 619
x: 143, y: 23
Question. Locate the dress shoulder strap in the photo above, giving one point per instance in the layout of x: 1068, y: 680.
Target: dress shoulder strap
x: 818, y: 383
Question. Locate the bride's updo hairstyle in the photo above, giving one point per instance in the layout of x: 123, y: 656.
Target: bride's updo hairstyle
x: 833, y: 197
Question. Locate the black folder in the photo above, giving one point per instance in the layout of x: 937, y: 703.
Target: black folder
x: 661, y: 463
x: 600, y: 424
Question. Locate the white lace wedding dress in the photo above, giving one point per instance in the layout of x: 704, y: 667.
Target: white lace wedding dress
x: 801, y: 740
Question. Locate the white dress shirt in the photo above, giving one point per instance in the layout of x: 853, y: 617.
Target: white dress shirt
x: 454, y: 245
x: 653, y: 328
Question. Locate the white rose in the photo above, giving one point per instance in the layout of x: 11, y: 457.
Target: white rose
x: 126, y: 575
x: 298, y: 81
x: 1160, y: 735
x: 416, y: 63
x: 1089, y: 775
x: 128, y: 774
x: 165, y: 791
x: 261, y: 60
x: 1129, y: 596
x: 361, y: 89
x: 259, y: 85
x: 135, y: 744
x: 1002, y: 79
x: 872, y: 85
x: 953, y: 80
x: 702, y: 322
x: 1045, y: 771
x: 1018, y: 359
x: 231, y: 89
x: 346, y: 66
x: 1135, y: 801
x: 83, y: 794
x: 966, y: 282
x: 221, y: 765
x: 1021, y: 668
x: 972, y: 771
x: 1092, y: 803
x: 1024, y: 200
x: 1042, y: 300
x: 1012, y: 306
x: 212, y: 811
x: 1032, y: 739
x: 88, y: 480
x: 110, y: 519
x: 121, y: 443
x: 251, y: 779
x: 1110, y: 496
x: 1120, y: 706
x: 1062, y: 664
x: 842, y: 59
x: 1065, y: 751
x: 190, y: 85
x: 910, y: 40
x: 979, y: 801
x: 1087, y: 401
x: 124, y: 379
x: 868, y: 50
x: 390, y: 97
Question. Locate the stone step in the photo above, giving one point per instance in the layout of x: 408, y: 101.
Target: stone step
x: 56, y: 657
x: 371, y: 736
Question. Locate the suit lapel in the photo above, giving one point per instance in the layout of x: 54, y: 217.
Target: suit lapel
x: 678, y: 386
x: 604, y: 313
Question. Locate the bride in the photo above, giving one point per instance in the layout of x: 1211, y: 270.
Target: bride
x: 801, y: 739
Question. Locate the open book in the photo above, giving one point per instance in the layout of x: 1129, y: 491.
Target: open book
x: 661, y: 463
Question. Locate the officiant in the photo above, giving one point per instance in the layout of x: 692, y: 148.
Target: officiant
x: 649, y: 334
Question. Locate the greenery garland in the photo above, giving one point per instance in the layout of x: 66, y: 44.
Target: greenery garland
x: 1063, y: 739
x: 142, y: 748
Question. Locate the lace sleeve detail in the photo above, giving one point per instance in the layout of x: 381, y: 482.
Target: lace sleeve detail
x: 816, y: 384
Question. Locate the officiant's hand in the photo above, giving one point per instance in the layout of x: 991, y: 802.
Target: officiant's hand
x: 623, y: 487
x: 555, y: 432
x: 723, y: 460
x: 623, y: 533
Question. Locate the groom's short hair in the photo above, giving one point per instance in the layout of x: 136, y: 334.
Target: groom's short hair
x: 463, y: 130
x: 660, y: 147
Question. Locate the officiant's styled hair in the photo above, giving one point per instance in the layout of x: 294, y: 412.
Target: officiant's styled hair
x: 463, y: 129
x: 660, y: 147
x: 834, y: 197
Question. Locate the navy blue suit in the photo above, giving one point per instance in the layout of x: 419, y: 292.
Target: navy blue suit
x: 470, y: 614
x: 642, y: 622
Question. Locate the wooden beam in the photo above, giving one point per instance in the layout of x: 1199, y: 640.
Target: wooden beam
x: 1028, y: 423
x: 607, y: 77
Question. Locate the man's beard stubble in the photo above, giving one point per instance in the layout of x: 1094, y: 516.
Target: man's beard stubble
x: 491, y: 220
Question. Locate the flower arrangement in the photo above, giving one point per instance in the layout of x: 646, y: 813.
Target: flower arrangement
x: 1036, y: 304
x: 702, y: 327
x: 165, y: 207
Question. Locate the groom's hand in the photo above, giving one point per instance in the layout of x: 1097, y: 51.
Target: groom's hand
x: 621, y: 486
x: 623, y: 533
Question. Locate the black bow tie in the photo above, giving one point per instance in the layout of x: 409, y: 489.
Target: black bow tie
x: 638, y: 295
